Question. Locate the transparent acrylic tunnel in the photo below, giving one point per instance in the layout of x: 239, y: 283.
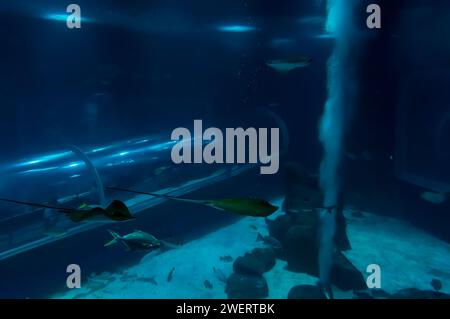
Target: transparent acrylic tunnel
x: 73, y: 176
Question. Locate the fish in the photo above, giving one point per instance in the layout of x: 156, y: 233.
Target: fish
x: 269, y: 241
x: 151, y: 280
x: 253, y: 227
x: 289, y: 64
x: 434, y: 197
x: 208, y: 284
x: 117, y: 211
x: 220, y: 274
x: 170, y: 276
x: 226, y: 258
x: 246, y: 206
x: 135, y: 241
x: 161, y: 170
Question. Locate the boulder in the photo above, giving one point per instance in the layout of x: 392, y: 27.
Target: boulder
x: 249, y: 264
x: 436, y: 284
x: 246, y: 286
x: 346, y: 276
x: 414, y: 293
x: 301, y: 250
x: 306, y: 292
x: 362, y: 295
x: 266, y: 256
x: 371, y: 294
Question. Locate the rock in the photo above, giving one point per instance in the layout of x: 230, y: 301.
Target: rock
x: 414, y: 293
x: 249, y: 264
x: 301, y: 250
x: 266, y: 256
x: 362, y: 295
x: 436, y: 284
x: 246, y: 286
x: 345, y: 276
x: 304, y: 194
x: 279, y: 226
x: 380, y: 293
x: 371, y: 294
x: 306, y: 292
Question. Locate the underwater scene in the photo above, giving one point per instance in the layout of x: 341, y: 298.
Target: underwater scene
x: 226, y: 149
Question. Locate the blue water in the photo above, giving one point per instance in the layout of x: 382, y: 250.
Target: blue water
x: 90, y: 108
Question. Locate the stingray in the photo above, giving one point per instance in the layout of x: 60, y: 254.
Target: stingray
x: 116, y: 211
x: 246, y: 206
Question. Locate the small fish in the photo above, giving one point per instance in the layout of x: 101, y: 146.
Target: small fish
x: 241, y: 206
x: 161, y: 169
x: 84, y: 206
x: 226, y: 258
x: 151, y: 280
x: 135, y: 241
x: 433, y: 197
x: 208, y: 284
x: 436, y: 284
x: 287, y: 65
x: 220, y: 275
x: 269, y: 241
x: 253, y: 227
x: 170, y: 276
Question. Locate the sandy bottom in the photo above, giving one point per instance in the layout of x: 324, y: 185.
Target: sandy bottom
x: 408, y: 258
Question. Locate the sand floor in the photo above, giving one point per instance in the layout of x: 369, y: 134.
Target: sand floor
x: 408, y: 258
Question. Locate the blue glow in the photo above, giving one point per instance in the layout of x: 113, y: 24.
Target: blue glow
x: 72, y: 165
x: 142, y: 141
x: 282, y: 41
x: 38, y: 170
x: 236, y: 28
x: 75, y: 176
x: 62, y: 17
x: 99, y: 149
x: 325, y: 36
x: 42, y: 159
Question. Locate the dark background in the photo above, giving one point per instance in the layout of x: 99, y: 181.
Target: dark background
x: 151, y: 66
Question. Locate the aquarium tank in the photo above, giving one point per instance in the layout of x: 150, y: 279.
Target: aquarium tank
x: 248, y: 149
